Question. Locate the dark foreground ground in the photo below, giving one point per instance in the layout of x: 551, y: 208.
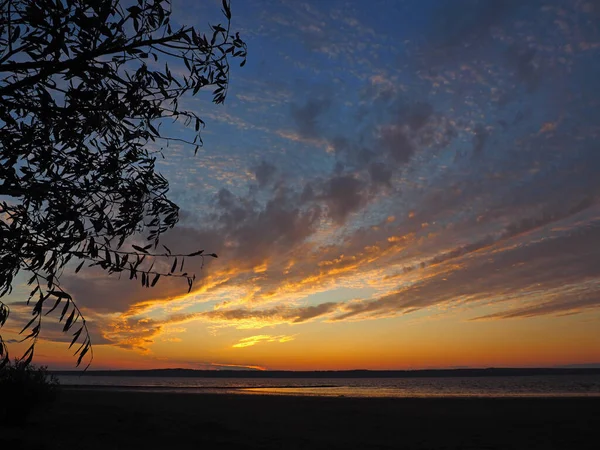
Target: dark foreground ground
x: 102, y: 419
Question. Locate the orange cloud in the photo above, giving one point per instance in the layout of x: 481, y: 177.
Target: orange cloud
x: 262, y: 338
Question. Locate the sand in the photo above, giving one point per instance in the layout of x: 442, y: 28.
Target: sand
x: 103, y: 419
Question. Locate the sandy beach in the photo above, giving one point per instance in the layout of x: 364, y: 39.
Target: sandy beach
x: 105, y: 419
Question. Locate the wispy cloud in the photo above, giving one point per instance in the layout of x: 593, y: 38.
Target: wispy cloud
x: 262, y: 338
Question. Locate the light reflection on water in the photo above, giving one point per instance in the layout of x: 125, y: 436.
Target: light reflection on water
x: 516, y: 386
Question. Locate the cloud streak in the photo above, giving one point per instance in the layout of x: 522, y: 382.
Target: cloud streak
x: 261, y: 338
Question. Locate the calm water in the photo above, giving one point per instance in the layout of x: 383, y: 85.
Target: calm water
x: 526, y: 386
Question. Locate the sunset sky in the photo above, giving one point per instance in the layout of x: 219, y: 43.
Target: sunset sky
x: 390, y: 185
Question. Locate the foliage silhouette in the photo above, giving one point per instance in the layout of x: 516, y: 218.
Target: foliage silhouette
x: 85, y: 86
x: 23, y: 388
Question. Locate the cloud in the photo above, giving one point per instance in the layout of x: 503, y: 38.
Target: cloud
x: 464, y: 23
x: 527, y: 70
x: 139, y: 333
x: 418, y: 115
x: 480, y: 136
x: 343, y: 195
x: 256, y: 231
x: 274, y: 250
x: 444, y: 277
x: 95, y: 291
x: 264, y: 173
x: 407, y: 127
x: 262, y: 338
x: 380, y: 174
x: 509, y: 269
x: 258, y: 318
x: 307, y: 116
x: 52, y: 329
x: 396, y: 142
x: 574, y: 299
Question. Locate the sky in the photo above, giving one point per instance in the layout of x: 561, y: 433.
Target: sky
x: 390, y: 185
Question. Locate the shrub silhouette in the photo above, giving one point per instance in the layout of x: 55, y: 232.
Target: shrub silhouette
x: 23, y: 389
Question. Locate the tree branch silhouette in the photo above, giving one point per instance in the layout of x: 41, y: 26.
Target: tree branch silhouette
x: 84, y: 88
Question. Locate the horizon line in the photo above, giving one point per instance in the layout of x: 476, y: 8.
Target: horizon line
x: 592, y: 366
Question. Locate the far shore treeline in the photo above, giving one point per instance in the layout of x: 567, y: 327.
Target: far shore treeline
x: 437, y: 373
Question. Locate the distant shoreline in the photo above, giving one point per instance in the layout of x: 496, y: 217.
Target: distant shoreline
x: 427, y: 373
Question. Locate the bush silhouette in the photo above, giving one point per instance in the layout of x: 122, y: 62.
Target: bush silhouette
x: 23, y: 389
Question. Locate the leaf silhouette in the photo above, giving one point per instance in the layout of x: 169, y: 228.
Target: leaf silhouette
x: 82, y: 109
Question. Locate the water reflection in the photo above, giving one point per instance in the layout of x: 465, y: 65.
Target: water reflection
x: 526, y: 386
